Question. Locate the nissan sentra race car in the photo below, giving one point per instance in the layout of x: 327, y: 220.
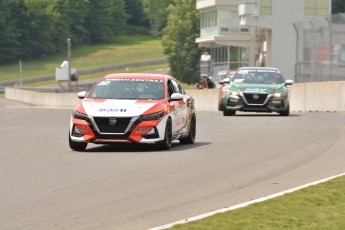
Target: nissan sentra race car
x: 133, y: 108
x: 257, y: 89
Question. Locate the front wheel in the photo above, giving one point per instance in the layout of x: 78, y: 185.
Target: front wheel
x: 191, y: 134
x: 229, y: 112
x: 285, y: 112
x: 166, y: 143
x: 77, y: 146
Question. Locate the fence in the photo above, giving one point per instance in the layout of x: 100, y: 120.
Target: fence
x: 320, y: 49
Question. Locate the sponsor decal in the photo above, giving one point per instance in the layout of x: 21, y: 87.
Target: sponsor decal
x: 112, y: 110
x: 258, y: 90
x: 143, y: 130
x: 180, y: 121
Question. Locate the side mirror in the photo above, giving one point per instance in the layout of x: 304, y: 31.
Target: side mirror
x: 226, y: 80
x: 82, y: 94
x: 289, y: 82
x: 176, y: 97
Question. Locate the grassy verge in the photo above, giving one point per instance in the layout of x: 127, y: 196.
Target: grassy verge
x: 124, y: 49
x: 320, y: 206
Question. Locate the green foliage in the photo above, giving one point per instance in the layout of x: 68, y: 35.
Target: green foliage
x: 99, y: 21
x: 136, y: 13
x: 179, y: 41
x: 71, y: 20
x: 157, y: 13
x: 39, y: 28
x: 338, y: 6
x: 10, y: 32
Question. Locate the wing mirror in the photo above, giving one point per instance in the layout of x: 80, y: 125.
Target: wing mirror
x: 226, y: 80
x: 176, y: 97
x: 82, y: 94
x: 289, y: 82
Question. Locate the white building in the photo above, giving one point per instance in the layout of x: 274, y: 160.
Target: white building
x: 255, y: 32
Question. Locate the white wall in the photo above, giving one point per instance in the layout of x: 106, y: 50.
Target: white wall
x: 304, y: 97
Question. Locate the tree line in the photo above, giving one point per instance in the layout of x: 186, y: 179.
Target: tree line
x: 35, y: 28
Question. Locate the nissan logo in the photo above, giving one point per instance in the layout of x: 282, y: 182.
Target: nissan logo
x: 112, y: 121
x: 255, y: 96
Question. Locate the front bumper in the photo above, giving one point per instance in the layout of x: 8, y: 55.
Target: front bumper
x: 92, y: 131
x: 256, y: 103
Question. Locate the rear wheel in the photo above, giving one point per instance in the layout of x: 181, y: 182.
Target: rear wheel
x: 191, y: 134
x: 166, y: 143
x: 77, y: 146
x: 229, y: 112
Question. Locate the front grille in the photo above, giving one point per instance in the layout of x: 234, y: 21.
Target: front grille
x: 104, y: 126
x: 260, y: 100
x: 111, y: 136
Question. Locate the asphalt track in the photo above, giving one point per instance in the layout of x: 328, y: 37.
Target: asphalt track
x: 45, y: 185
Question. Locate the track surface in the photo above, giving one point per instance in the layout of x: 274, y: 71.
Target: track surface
x: 45, y: 185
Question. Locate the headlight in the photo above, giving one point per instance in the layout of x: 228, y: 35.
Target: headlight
x: 153, y: 116
x: 279, y: 95
x: 80, y: 116
x: 233, y: 93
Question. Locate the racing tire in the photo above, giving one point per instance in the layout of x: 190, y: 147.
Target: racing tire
x: 190, y: 139
x: 166, y: 143
x: 285, y: 112
x: 229, y: 112
x: 77, y: 146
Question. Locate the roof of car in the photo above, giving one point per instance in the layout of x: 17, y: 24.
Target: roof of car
x: 258, y: 68
x: 137, y: 75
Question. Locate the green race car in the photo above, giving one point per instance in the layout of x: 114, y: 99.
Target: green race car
x: 257, y: 89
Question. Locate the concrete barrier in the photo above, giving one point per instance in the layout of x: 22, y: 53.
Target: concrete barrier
x: 304, y: 97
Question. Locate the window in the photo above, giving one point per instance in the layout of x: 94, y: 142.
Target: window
x: 317, y: 7
x: 266, y: 7
x: 208, y: 19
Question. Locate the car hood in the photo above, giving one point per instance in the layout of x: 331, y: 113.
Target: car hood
x: 118, y: 108
x: 257, y: 88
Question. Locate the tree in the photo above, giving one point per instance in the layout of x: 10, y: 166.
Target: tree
x: 41, y: 28
x: 179, y: 41
x: 100, y: 21
x: 120, y: 17
x: 136, y: 16
x: 338, y: 6
x: 10, y: 30
x: 157, y: 13
x: 71, y: 20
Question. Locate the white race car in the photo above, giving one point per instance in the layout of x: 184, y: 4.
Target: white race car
x: 133, y: 108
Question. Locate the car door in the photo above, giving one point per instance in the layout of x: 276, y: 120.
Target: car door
x: 178, y: 108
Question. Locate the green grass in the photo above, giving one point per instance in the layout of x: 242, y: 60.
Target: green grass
x: 319, y: 207
x: 124, y: 49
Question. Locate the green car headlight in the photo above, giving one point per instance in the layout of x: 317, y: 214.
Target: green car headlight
x: 233, y: 93
x: 279, y: 95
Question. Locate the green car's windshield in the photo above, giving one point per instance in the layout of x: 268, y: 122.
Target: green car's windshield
x: 136, y: 89
x: 258, y: 77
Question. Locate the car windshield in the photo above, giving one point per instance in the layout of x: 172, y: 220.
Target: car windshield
x: 139, y: 89
x: 258, y: 76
